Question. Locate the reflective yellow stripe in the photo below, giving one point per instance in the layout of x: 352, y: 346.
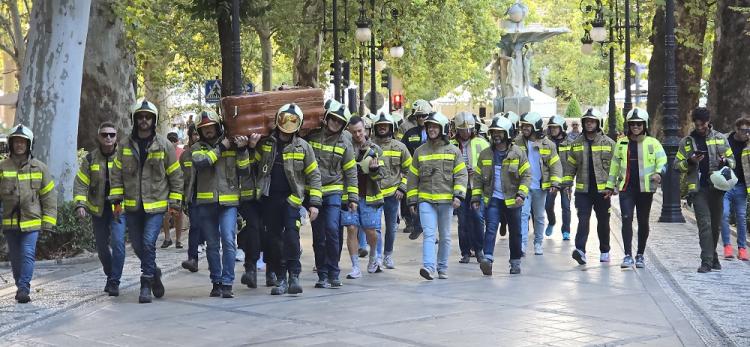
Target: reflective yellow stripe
x: 555, y: 179
x: 109, y: 165
x: 295, y: 199
x: 30, y: 176
x: 349, y: 165
x: 310, y: 168
x: 545, y: 151
x: 327, y: 148
x: 212, y: 156
x: 127, y: 151
x: 476, y: 192
x: 156, y: 155
x: 226, y: 154
x: 94, y: 167
x: 411, y: 193
x: 352, y: 190
x: 567, y: 178
x: 554, y: 160
x: 414, y: 170
x: 510, y: 202
x: 523, y: 168
x: 546, y: 185
x: 154, y: 205
x: 243, y: 163
x: 714, y: 142
x: 247, y: 193
x: 459, y: 167
x: 601, y: 148
x: 116, y: 191
x: 486, y: 162
x: 414, y: 138
x: 316, y: 192
x: 92, y: 207
x: 429, y: 157
x: 172, y: 168
x: 403, y: 180
x: 406, y: 163
x: 8, y: 174
x: 459, y: 188
x: 524, y: 189
x: 298, y: 156
x: 83, y: 177
x: 578, y: 148
x: 229, y: 198
x: 396, y: 154
x: 389, y: 191
x: 680, y: 156
x: 175, y: 196
x: 332, y: 187
x: 430, y: 196
x: 205, y: 195
x: 80, y: 198
x: 266, y: 148
x: 601, y: 186
x: 33, y: 223
x: 48, y: 188
x: 47, y: 219
x: 298, y: 223
x: 129, y: 203
x: 691, y: 186
x: 372, y: 198
x: 118, y: 164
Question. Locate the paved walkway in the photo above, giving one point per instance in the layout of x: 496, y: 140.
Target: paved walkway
x: 554, y: 302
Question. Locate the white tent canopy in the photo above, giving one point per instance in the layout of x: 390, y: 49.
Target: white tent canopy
x: 461, y: 100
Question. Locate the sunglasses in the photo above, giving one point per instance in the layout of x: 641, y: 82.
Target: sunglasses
x: 105, y: 135
x: 744, y: 131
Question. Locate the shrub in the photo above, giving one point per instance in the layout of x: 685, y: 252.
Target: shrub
x: 574, y: 109
x: 72, y: 236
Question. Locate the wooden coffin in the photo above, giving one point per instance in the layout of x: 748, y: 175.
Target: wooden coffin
x: 255, y: 113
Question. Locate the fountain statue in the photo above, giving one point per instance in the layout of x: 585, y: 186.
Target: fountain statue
x: 512, y: 63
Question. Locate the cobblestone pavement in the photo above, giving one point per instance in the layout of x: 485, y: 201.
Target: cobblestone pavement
x: 554, y: 303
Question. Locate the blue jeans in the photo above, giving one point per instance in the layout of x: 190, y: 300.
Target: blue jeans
x: 282, y: 249
x: 22, y: 253
x: 535, y: 201
x: 565, y: 206
x: 494, y: 213
x: 735, y: 201
x: 110, y: 242
x: 436, y: 218
x: 195, y: 237
x: 218, y: 224
x: 143, y: 230
x: 470, y: 227
x: 327, y: 235
x: 390, y: 210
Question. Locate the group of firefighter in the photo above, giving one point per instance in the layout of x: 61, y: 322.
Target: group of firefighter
x: 351, y: 173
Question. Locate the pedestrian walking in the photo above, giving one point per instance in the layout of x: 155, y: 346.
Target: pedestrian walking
x: 413, y: 138
x: 90, y: 189
x: 501, y: 181
x: 173, y: 219
x: 29, y: 205
x: 195, y: 236
x: 638, y: 164
x: 701, y: 155
x: 735, y: 200
x: 436, y: 185
x: 146, y: 178
x: 556, y: 128
x: 588, y: 162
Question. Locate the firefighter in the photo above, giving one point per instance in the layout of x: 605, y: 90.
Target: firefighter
x: 501, y: 183
x: 29, y: 204
x: 217, y: 166
x: 284, y: 165
x: 638, y: 164
x: 556, y: 132
x: 588, y: 161
x: 397, y: 160
x: 413, y: 138
x: 470, y: 221
x: 195, y: 236
x: 90, y: 189
x: 146, y: 178
x: 338, y: 169
x: 436, y: 185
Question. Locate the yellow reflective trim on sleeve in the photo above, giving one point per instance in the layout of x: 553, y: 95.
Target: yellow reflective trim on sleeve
x: 332, y: 188
x: 266, y: 148
x: 554, y: 160
x: 460, y: 188
x: 350, y: 164
x: 601, y: 149
x: 118, y: 164
x: 406, y: 163
x: 414, y: 170
x: 411, y: 193
x: 577, y: 148
x: 680, y: 156
x: 429, y: 196
x: 389, y: 191
x: 127, y: 152
x: 48, y: 188
x: 316, y: 192
x: 8, y: 174
x: 83, y: 177
x: 205, y: 195
x: 243, y: 163
x: 459, y: 167
x: 154, y: 205
x: 403, y: 180
x: 49, y: 220
x: 486, y: 162
x: 395, y: 154
x: 443, y: 156
x: 296, y: 156
x: 229, y: 197
x: 30, y: 176
x: 156, y: 155
x: 523, y: 188
x: 352, y: 190
x: 116, y: 191
x: 476, y: 192
x: 546, y: 185
x: 175, y: 196
x: 129, y: 203
x: 172, y: 168
x: 415, y: 138
x: 80, y: 198
x: 523, y: 168
x: 310, y: 168
x: 545, y: 151
x: 226, y: 154
x: 295, y: 199
x: 212, y: 156
x: 94, y: 167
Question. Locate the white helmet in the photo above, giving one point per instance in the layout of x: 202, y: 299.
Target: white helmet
x: 441, y: 120
x: 21, y: 131
x: 464, y: 120
x: 289, y: 118
x: 144, y: 105
x: 421, y: 107
x: 724, y: 179
x: 500, y: 123
x: 637, y: 115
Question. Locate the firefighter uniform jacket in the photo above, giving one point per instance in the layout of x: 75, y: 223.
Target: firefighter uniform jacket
x: 437, y: 174
x: 552, y: 169
x: 397, y: 161
x: 154, y: 183
x: 217, y: 173
x: 718, y: 146
x: 336, y: 163
x: 188, y: 176
x: 91, y: 181
x: 413, y: 139
x: 651, y: 160
x: 300, y: 168
x: 28, y: 196
x: 373, y: 195
x: 515, y: 175
x: 578, y: 162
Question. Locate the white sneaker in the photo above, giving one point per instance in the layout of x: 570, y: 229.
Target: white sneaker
x: 354, y: 274
x: 388, y: 262
x: 604, y: 258
x: 239, y: 255
x: 372, y: 265
x: 538, y: 249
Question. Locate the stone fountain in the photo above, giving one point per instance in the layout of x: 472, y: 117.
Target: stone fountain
x: 512, y: 63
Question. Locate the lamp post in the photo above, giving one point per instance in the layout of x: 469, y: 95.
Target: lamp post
x: 670, y: 208
x: 236, y: 50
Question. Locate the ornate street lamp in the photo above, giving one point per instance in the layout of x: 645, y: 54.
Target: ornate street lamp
x: 587, y: 44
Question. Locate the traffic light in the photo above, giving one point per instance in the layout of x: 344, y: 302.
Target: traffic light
x: 386, y: 79
x: 333, y: 74
x: 398, y: 101
x: 345, y: 74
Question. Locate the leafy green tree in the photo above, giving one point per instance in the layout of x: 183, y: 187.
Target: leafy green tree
x: 574, y: 109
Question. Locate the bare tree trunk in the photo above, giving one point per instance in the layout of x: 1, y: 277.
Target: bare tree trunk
x: 50, y: 93
x: 155, y: 90
x: 691, y: 19
x: 729, y: 89
x: 107, y: 89
x: 309, y: 47
x: 224, y: 23
x: 266, y: 51
x: 656, y: 74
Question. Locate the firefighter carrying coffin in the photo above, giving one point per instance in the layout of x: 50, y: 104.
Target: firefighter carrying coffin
x: 255, y: 113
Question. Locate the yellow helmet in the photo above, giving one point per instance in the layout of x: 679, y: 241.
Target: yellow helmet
x: 289, y: 118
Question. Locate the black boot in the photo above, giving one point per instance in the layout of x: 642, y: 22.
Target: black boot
x: 22, y: 296
x: 158, y: 287
x: 113, y: 288
x: 250, y: 277
x: 190, y: 265
x: 216, y: 290
x: 295, y: 287
x: 281, y: 288
x: 226, y: 292
x: 145, y: 296
x: 270, y: 278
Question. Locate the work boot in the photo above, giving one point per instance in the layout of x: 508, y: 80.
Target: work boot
x: 486, y: 267
x: 270, y: 278
x: 295, y: 286
x: 334, y: 281
x: 250, y: 277
x: 108, y: 286
x: 281, y: 288
x: 704, y: 268
x: 322, y: 280
x: 145, y: 296
x: 190, y: 265
x: 226, y: 292
x: 114, y: 288
x: 515, y: 266
x: 415, y: 232
x: 716, y: 265
x: 22, y: 296
x: 215, y: 290
x: 480, y: 256
x: 465, y: 259
x: 158, y: 287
